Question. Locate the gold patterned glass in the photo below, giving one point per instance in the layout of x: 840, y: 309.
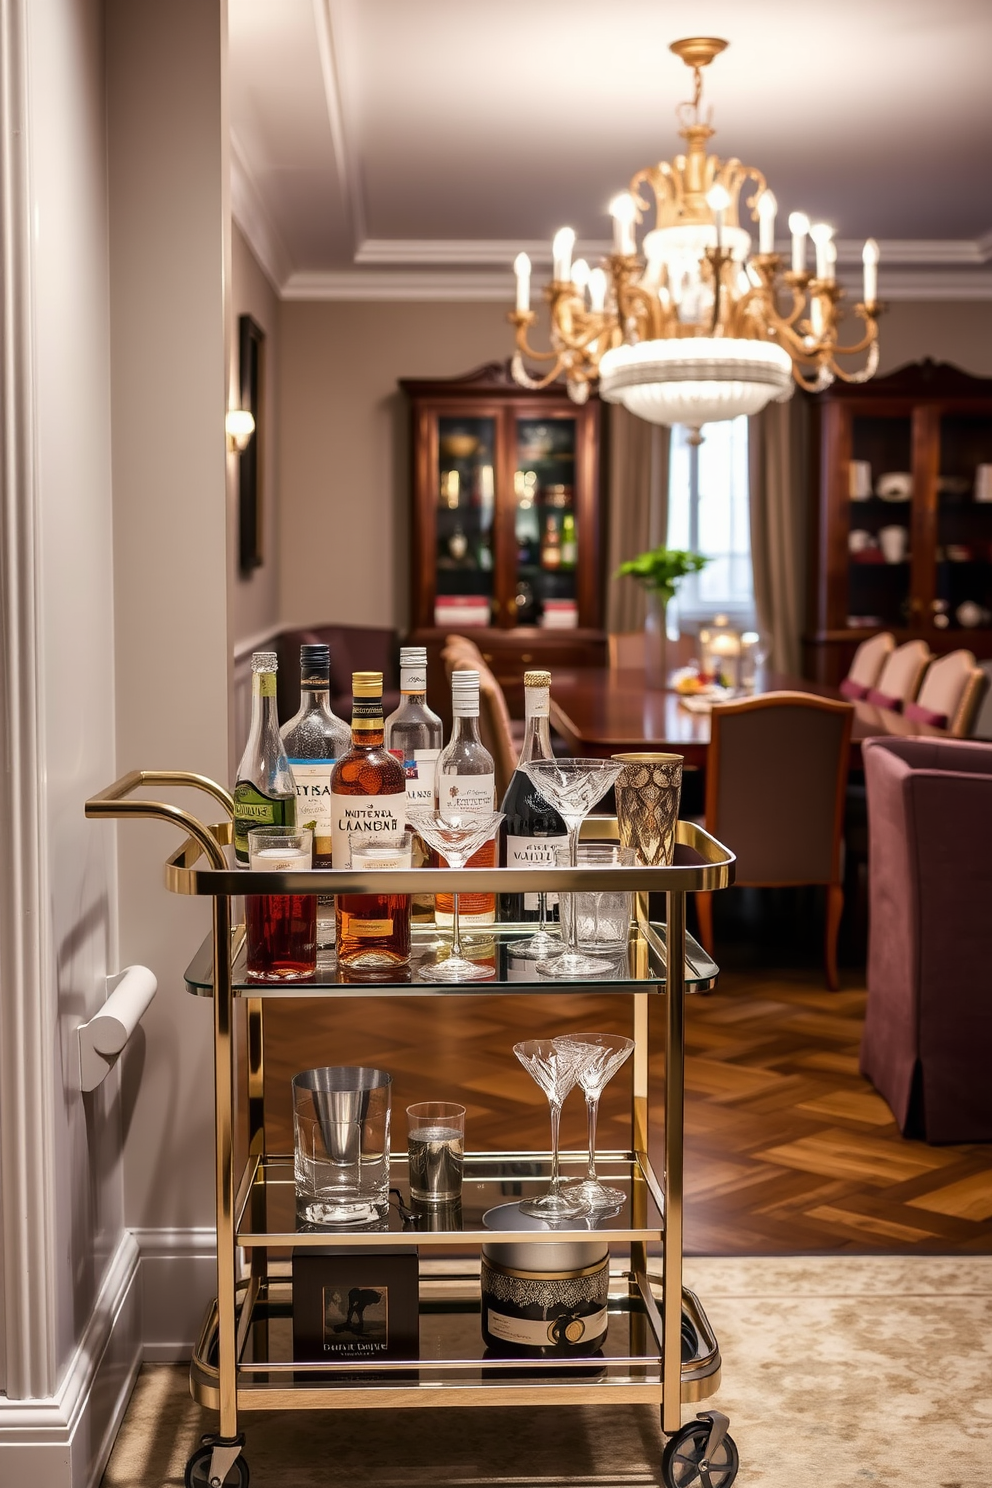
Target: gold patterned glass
x: 647, y: 792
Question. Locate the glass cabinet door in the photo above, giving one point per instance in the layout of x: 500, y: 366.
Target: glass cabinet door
x: 963, y: 599
x: 465, y: 504
x: 881, y: 505
x: 545, y: 522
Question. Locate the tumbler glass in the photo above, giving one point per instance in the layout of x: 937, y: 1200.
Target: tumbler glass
x: 602, y: 915
x: 281, y: 928
x: 436, y: 1148
x: 341, y: 1144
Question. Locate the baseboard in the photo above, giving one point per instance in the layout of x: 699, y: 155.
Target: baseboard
x: 64, y: 1441
x: 178, y: 1279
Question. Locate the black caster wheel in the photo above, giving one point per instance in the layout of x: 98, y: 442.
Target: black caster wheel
x: 685, y: 1462
x: 198, y: 1471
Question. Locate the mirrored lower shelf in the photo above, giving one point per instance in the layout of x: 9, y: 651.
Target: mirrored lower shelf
x: 266, y: 1211
x: 453, y: 1359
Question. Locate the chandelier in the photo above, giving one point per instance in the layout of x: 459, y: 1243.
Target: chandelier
x: 696, y: 327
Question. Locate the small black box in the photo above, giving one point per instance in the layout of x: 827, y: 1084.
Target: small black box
x: 356, y: 1304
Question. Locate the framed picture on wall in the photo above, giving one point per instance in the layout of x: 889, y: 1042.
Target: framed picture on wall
x: 251, y: 372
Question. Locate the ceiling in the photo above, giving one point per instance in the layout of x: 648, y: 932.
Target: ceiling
x: 409, y: 148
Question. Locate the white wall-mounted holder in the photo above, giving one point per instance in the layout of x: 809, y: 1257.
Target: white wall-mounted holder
x: 102, y: 1039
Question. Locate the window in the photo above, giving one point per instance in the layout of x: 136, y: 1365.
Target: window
x: 708, y: 513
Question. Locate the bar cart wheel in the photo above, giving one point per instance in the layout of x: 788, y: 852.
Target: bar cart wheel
x: 234, y: 1472
x: 701, y: 1453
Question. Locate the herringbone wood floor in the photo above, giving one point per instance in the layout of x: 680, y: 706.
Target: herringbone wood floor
x: 788, y: 1149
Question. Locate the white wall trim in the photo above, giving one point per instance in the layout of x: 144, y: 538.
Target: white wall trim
x: 27, y: 1033
x: 178, y: 1280
x: 253, y: 218
x: 257, y: 642
x: 332, y: 20
x: 65, y: 1439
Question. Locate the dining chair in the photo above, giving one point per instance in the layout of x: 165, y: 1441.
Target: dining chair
x: 928, y: 1022
x: 981, y: 723
x: 775, y: 778
x: 495, y: 726
x: 949, y: 693
x: 900, y: 677
x: 626, y: 650
x: 866, y: 667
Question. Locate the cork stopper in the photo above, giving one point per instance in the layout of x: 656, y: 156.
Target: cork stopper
x: 537, y: 679
x: 366, y: 684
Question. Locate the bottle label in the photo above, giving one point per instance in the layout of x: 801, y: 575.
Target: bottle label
x: 363, y: 819
x: 419, y: 773
x: 313, y: 800
x: 413, y: 679
x: 366, y: 713
x: 369, y: 929
x: 466, y: 795
x: 529, y: 852
x: 264, y: 684
x: 534, y: 1333
x: 253, y: 809
x: 537, y: 702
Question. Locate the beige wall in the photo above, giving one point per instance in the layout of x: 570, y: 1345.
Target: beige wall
x: 958, y: 331
x: 344, y: 446
x: 254, y: 600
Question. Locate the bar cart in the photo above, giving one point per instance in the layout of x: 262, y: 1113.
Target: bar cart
x: 654, y: 1352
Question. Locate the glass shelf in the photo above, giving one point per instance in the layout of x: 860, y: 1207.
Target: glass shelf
x: 640, y: 969
x: 266, y: 1214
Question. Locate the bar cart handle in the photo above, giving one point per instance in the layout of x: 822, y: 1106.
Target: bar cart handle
x: 103, y: 1038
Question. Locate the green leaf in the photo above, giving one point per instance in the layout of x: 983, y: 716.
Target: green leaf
x: 659, y: 569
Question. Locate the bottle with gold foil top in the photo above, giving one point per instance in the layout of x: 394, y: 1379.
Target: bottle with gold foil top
x: 368, y: 787
x: 265, y: 791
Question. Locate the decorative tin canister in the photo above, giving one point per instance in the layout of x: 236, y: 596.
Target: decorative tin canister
x: 542, y: 1300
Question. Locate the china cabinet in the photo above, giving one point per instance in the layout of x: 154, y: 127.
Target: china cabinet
x: 506, y: 524
x: 903, y: 532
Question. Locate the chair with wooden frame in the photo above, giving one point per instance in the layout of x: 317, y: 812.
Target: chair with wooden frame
x: 495, y: 725
x: 866, y: 667
x: 900, y: 677
x: 626, y: 650
x: 949, y: 693
x: 776, y: 774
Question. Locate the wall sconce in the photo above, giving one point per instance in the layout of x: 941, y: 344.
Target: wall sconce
x: 239, y: 426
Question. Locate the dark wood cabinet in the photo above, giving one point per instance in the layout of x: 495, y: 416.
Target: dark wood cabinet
x: 903, y: 528
x: 507, y: 524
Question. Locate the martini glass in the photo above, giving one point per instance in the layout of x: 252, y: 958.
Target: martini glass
x: 598, y: 1056
x: 456, y: 841
x: 544, y: 943
x: 572, y: 786
x: 554, y: 1069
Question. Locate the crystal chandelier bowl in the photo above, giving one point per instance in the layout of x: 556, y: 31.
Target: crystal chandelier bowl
x: 695, y: 380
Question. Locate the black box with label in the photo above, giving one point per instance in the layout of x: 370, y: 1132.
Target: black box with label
x: 356, y: 1304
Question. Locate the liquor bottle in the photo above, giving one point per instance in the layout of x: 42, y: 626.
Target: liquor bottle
x: 569, y: 546
x: 413, y: 732
x: 313, y: 739
x: 532, y: 830
x: 264, y: 790
x: 465, y: 786
x: 551, y: 545
x: 368, y: 791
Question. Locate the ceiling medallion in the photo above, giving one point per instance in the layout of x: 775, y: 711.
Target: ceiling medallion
x: 695, y: 327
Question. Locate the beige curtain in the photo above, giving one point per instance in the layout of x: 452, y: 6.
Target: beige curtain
x: 778, y: 458
x: 638, y: 509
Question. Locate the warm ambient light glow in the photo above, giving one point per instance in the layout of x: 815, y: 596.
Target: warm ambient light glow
x: 239, y: 427
x: 697, y: 326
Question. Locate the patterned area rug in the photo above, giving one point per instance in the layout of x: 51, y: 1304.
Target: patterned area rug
x: 838, y: 1371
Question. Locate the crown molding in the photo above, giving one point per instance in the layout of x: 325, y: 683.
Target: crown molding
x: 251, y: 215
x: 333, y: 21
x: 411, y: 284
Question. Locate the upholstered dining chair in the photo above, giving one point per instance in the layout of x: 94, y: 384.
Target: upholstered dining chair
x: 775, y: 777
x: 626, y: 650
x: 948, y: 694
x: 981, y: 722
x: 495, y: 727
x: 900, y: 677
x: 928, y: 1024
x: 866, y: 667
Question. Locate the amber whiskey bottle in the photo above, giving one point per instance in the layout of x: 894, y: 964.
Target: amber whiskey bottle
x: 368, y: 787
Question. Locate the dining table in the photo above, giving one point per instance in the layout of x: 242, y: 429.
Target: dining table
x: 600, y: 712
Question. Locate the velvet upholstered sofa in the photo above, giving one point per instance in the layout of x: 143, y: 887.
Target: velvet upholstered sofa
x: 927, y: 1044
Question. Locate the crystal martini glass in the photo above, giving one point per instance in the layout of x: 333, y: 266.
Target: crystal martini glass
x: 554, y: 1069
x: 572, y: 786
x: 456, y: 841
x: 597, y: 1057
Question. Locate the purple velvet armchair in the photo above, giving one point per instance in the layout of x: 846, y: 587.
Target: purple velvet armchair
x: 927, y: 1044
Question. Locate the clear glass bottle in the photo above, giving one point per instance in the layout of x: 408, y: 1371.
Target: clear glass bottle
x: 465, y: 781
x: 532, y: 830
x: 313, y: 739
x: 413, y: 732
x: 264, y: 790
x: 368, y: 791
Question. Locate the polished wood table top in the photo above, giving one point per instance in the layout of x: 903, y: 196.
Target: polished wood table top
x: 600, y: 712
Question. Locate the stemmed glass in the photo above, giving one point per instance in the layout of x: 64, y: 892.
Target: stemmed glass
x: 554, y: 1069
x: 456, y: 841
x: 572, y: 786
x: 544, y: 942
x: 597, y: 1057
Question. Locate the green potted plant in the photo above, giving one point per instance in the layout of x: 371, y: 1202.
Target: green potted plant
x: 659, y: 570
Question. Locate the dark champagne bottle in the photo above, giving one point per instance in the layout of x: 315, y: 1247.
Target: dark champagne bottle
x: 532, y: 830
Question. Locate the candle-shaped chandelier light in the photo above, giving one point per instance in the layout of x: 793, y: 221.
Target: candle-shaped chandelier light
x: 697, y: 327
